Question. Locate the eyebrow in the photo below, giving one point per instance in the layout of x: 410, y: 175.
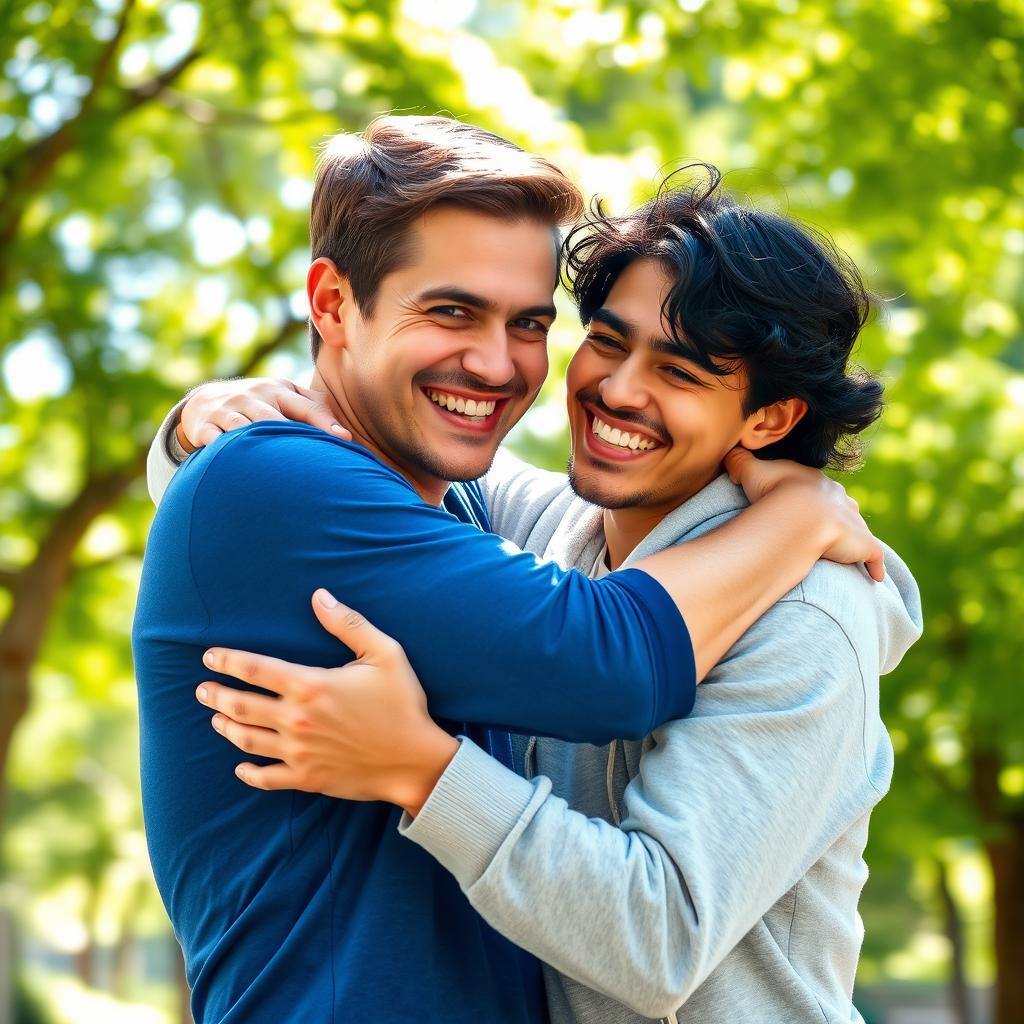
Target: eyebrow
x: 629, y: 330
x: 463, y: 298
x: 626, y: 328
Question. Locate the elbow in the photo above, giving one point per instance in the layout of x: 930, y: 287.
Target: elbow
x: 653, y: 987
x: 667, y: 1005
x: 634, y: 729
x: 658, y: 984
x: 653, y: 998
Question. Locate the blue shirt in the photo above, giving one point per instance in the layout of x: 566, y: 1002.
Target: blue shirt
x: 292, y: 906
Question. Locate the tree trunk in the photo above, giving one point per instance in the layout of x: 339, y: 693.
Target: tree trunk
x: 35, y: 589
x: 1006, y: 855
x: 955, y: 933
x: 126, y: 951
x: 85, y: 963
x: 8, y: 965
x: 1005, y: 848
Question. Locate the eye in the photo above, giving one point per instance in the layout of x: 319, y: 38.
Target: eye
x: 453, y: 312
x: 527, y: 323
x: 679, y: 374
x: 605, y: 342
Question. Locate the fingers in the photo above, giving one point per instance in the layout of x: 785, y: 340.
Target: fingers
x: 252, y: 410
x: 876, y: 566
x: 314, y: 411
x: 325, y: 397
x: 204, y: 435
x: 242, y: 706
x: 736, y: 460
x: 267, y: 673
x: 351, y: 628
x: 268, y: 777
x: 249, y: 738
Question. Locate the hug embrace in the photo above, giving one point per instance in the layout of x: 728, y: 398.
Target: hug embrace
x: 429, y: 734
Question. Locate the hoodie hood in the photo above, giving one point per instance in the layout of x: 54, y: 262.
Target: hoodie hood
x: 894, y: 604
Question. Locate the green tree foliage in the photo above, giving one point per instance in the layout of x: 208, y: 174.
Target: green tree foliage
x: 155, y: 160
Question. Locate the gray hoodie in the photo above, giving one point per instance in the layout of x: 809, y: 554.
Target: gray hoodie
x: 713, y: 869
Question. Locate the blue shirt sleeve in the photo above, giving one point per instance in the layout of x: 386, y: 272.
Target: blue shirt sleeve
x: 495, y: 635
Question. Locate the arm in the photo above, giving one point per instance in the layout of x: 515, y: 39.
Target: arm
x: 729, y: 811
x: 497, y: 637
x: 721, y: 584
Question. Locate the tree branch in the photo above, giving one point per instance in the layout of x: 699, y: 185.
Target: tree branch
x: 203, y: 112
x: 106, y: 59
x: 43, y: 151
x: 28, y: 171
x: 268, y: 347
x: 136, y: 95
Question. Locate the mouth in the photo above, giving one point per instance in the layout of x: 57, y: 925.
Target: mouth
x: 617, y: 441
x: 476, y: 413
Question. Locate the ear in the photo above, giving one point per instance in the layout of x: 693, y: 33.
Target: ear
x: 331, y: 302
x: 772, y: 423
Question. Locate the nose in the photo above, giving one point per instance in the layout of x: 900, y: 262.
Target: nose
x: 623, y: 388
x: 489, y: 358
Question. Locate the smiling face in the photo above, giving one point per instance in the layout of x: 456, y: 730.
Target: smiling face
x: 649, y: 426
x: 454, y: 351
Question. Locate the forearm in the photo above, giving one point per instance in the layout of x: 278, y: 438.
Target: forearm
x: 605, y: 907
x: 724, y: 581
x: 725, y: 817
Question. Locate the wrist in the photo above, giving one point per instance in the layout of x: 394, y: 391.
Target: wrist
x: 429, y: 765
x: 807, y: 505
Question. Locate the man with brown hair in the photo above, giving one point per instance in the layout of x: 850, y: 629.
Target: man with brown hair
x: 435, y: 260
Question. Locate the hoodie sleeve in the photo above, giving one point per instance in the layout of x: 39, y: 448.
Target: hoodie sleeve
x: 165, y: 455
x: 783, y: 752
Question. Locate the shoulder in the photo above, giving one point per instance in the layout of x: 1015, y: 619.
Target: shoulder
x: 525, y: 503
x: 280, y: 464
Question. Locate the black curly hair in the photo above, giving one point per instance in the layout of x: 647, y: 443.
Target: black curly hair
x: 751, y: 289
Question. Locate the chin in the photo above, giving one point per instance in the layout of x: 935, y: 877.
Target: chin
x: 607, y: 490
x: 464, y: 472
x: 459, y: 470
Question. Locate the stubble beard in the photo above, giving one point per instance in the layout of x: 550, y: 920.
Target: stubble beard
x: 604, y: 496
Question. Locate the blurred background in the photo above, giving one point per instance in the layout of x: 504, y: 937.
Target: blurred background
x: 156, y: 161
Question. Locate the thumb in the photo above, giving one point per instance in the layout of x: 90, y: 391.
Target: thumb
x: 737, y: 460
x: 349, y: 626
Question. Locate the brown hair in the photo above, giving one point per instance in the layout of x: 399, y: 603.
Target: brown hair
x: 371, y: 186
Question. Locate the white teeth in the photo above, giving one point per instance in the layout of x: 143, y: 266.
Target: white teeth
x: 621, y: 438
x: 466, y: 406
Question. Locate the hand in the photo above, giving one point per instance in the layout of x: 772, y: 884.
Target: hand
x: 846, y: 537
x: 223, y: 405
x: 359, y: 732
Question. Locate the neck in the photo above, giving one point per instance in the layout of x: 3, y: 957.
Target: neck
x: 625, y: 528
x: 429, y: 488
